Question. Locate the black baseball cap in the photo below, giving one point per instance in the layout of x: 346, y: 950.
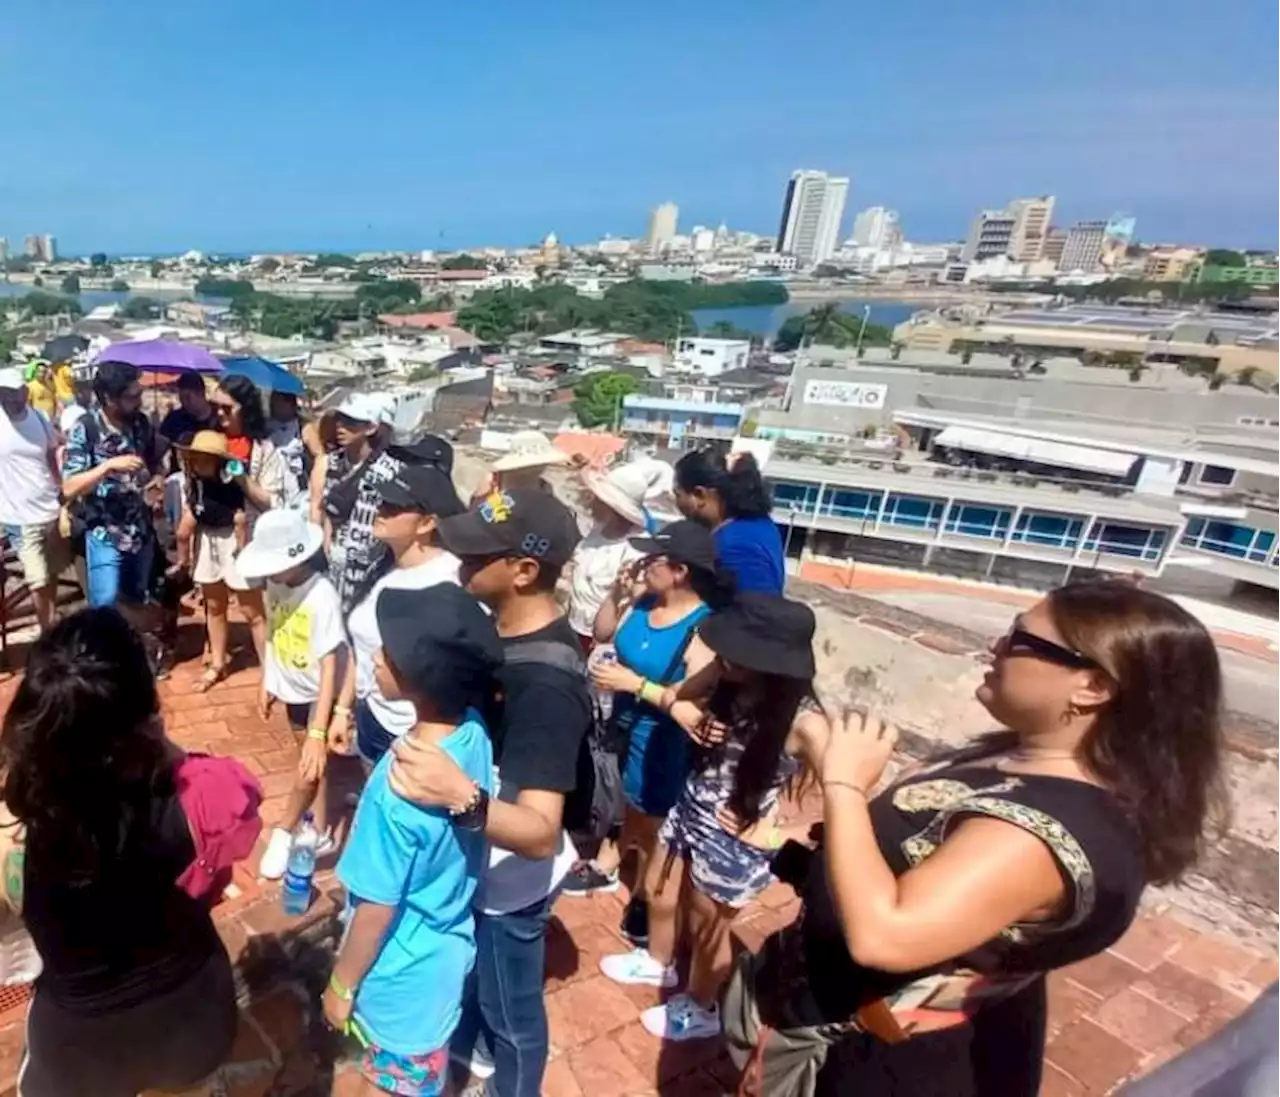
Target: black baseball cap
x: 683, y: 542
x: 766, y: 633
x: 430, y: 449
x: 518, y: 522
x: 424, y: 488
x: 441, y: 642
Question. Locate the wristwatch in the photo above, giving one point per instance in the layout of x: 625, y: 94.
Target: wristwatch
x: 476, y: 814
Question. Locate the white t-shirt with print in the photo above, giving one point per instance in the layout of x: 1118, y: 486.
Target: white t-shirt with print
x: 304, y: 625
x: 396, y: 717
x: 28, y: 491
x: 596, y: 564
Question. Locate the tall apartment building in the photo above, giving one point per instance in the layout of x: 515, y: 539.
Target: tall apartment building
x: 48, y: 248
x: 812, y: 210
x: 876, y: 227
x: 1031, y: 218
x: 4, y: 248
x: 31, y: 247
x: 1054, y: 241
x: 990, y: 235
x: 662, y: 226
x: 1082, y: 250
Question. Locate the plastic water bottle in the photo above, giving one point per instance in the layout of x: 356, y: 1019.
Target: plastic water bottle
x: 295, y: 893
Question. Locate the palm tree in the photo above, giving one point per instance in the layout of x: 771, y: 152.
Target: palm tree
x: 822, y: 325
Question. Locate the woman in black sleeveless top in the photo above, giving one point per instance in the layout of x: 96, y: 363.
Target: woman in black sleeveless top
x: 932, y: 913
x: 136, y: 989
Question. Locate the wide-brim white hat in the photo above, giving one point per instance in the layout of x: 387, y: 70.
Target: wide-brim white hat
x: 622, y: 491
x: 530, y: 449
x: 282, y: 539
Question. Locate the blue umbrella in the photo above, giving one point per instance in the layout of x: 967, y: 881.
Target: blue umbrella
x: 266, y: 375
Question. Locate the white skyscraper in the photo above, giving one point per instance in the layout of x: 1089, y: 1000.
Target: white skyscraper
x: 662, y: 226
x: 876, y: 227
x: 811, y: 214
x: 1031, y: 220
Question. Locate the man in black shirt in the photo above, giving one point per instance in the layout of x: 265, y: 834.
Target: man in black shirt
x: 513, y: 547
x: 193, y: 413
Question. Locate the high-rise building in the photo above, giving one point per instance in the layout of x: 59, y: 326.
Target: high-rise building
x: 990, y: 235
x: 1054, y: 241
x: 811, y: 214
x: 48, y: 248
x: 876, y: 227
x: 662, y: 226
x: 1031, y: 217
x: 31, y: 247
x: 4, y: 248
x: 1082, y: 250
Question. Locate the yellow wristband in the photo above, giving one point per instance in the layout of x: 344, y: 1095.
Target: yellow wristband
x: 320, y: 735
x: 336, y: 985
x: 341, y: 710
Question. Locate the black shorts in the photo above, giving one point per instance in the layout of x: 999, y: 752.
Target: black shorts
x: 299, y: 716
x: 170, y: 1042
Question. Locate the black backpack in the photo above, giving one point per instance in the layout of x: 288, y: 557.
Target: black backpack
x: 594, y: 806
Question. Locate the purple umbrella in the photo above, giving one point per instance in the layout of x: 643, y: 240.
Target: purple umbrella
x: 161, y: 354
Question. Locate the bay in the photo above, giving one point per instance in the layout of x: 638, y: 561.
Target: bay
x: 767, y: 319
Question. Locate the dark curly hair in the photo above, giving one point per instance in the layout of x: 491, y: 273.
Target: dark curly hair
x: 80, y: 750
x: 740, y: 487
x: 253, y: 412
x: 1158, y: 743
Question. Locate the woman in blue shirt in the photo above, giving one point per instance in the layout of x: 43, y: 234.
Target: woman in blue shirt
x: 731, y: 499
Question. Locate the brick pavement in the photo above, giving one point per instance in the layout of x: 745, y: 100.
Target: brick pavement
x: 1164, y: 987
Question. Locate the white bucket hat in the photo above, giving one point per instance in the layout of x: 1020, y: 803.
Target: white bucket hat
x: 366, y: 407
x: 622, y: 490
x: 282, y: 539
x: 530, y: 449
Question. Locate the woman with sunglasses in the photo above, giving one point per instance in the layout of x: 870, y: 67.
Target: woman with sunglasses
x: 933, y: 911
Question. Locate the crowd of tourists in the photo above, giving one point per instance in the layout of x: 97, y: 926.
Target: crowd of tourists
x: 534, y: 710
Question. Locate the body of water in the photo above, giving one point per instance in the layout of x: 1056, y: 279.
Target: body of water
x: 90, y: 298
x: 767, y: 319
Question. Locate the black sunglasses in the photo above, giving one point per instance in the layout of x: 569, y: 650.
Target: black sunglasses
x: 1018, y: 641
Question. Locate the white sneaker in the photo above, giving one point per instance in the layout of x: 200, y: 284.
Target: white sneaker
x: 638, y: 968
x: 478, y: 1066
x: 275, y: 859
x: 681, y: 1018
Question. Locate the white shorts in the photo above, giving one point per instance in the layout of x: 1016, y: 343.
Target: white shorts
x: 216, y: 559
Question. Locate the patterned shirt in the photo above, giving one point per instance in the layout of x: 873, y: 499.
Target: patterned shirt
x: 116, y: 509
x: 356, y: 559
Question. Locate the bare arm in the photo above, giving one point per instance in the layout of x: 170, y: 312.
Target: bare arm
x: 530, y: 827
x: 362, y: 944
x: 322, y: 710
x: 81, y: 483
x: 315, y: 488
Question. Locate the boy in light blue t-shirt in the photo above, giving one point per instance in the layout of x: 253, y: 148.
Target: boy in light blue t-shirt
x: 411, y: 872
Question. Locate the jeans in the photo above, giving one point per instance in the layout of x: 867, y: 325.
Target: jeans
x: 504, y: 1013
x: 372, y: 739
x: 111, y: 574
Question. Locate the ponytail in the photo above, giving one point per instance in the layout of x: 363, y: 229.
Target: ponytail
x: 739, y: 484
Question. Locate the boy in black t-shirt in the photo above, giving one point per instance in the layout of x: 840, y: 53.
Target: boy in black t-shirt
x: 513, y: 547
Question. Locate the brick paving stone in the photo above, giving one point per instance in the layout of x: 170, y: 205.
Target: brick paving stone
x: 602, y: 1069
x: 661, y: 1061
x: 1265, y: 972
x: 1151, y: 940
x: 1092, y: 1056
x: 1068, y: 1002
x: 1181, y: 991
x: 1142, y: 1022
x: 1207, y: 1024
x: 1215, y: 959
x: 1105, y: 974
x: 585, y: 1010
x: 559, y: 1080
x: 1054, y: 1083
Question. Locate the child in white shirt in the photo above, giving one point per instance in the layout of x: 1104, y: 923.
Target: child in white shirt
x: 305, y: 640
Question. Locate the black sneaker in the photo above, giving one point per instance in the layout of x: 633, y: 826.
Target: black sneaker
x: 586, y: 879
x: 635, y: 923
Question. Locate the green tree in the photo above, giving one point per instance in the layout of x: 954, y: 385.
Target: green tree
x: 229, y: 288
x: 381, y: 296
x: 334, y: 259
x: 491, y: 316
x: 1223, y: 257
x: 422, y: 373
x: 269, y: 265
x: 39, y: 303
x: 156, y: 268
x: 71, y: 285
x: 598, y: 398
x: 828, y: 326
x: 37, y: 281
x: 723, y: 329
x: 119, y: 285
x: 465, y: 261
x: 140, y: 308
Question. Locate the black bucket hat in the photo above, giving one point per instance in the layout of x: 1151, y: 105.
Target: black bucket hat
x: 765, y: 633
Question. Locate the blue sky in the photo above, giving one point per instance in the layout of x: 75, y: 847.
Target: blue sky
x: 150, y: 125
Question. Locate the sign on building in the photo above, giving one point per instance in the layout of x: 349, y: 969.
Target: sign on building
x: 845, y: 394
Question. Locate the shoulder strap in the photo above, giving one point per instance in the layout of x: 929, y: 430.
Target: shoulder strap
x: 550, y: 653
x: 682, y: 648
x: 90, y: 420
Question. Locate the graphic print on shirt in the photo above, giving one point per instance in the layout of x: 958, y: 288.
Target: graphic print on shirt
x: 291, y: 635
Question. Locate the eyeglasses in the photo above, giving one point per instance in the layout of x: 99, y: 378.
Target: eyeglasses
x: 1018, y: 641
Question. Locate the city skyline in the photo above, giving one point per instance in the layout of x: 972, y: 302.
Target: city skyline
x: 443, y: 129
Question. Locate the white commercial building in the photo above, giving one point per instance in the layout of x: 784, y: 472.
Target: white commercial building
x: 1031, y: 220
x: 811, y: 214
x: 1083, y: 248
x: 876, y: 227
x: 990, y: 234
x: 704, y: 240
x: 711, y: 357
x: 662, y: 226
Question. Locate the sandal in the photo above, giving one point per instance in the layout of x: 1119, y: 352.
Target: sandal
x: 210, y: 678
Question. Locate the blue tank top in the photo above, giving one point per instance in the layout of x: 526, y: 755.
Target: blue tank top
x: 650, y: 650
